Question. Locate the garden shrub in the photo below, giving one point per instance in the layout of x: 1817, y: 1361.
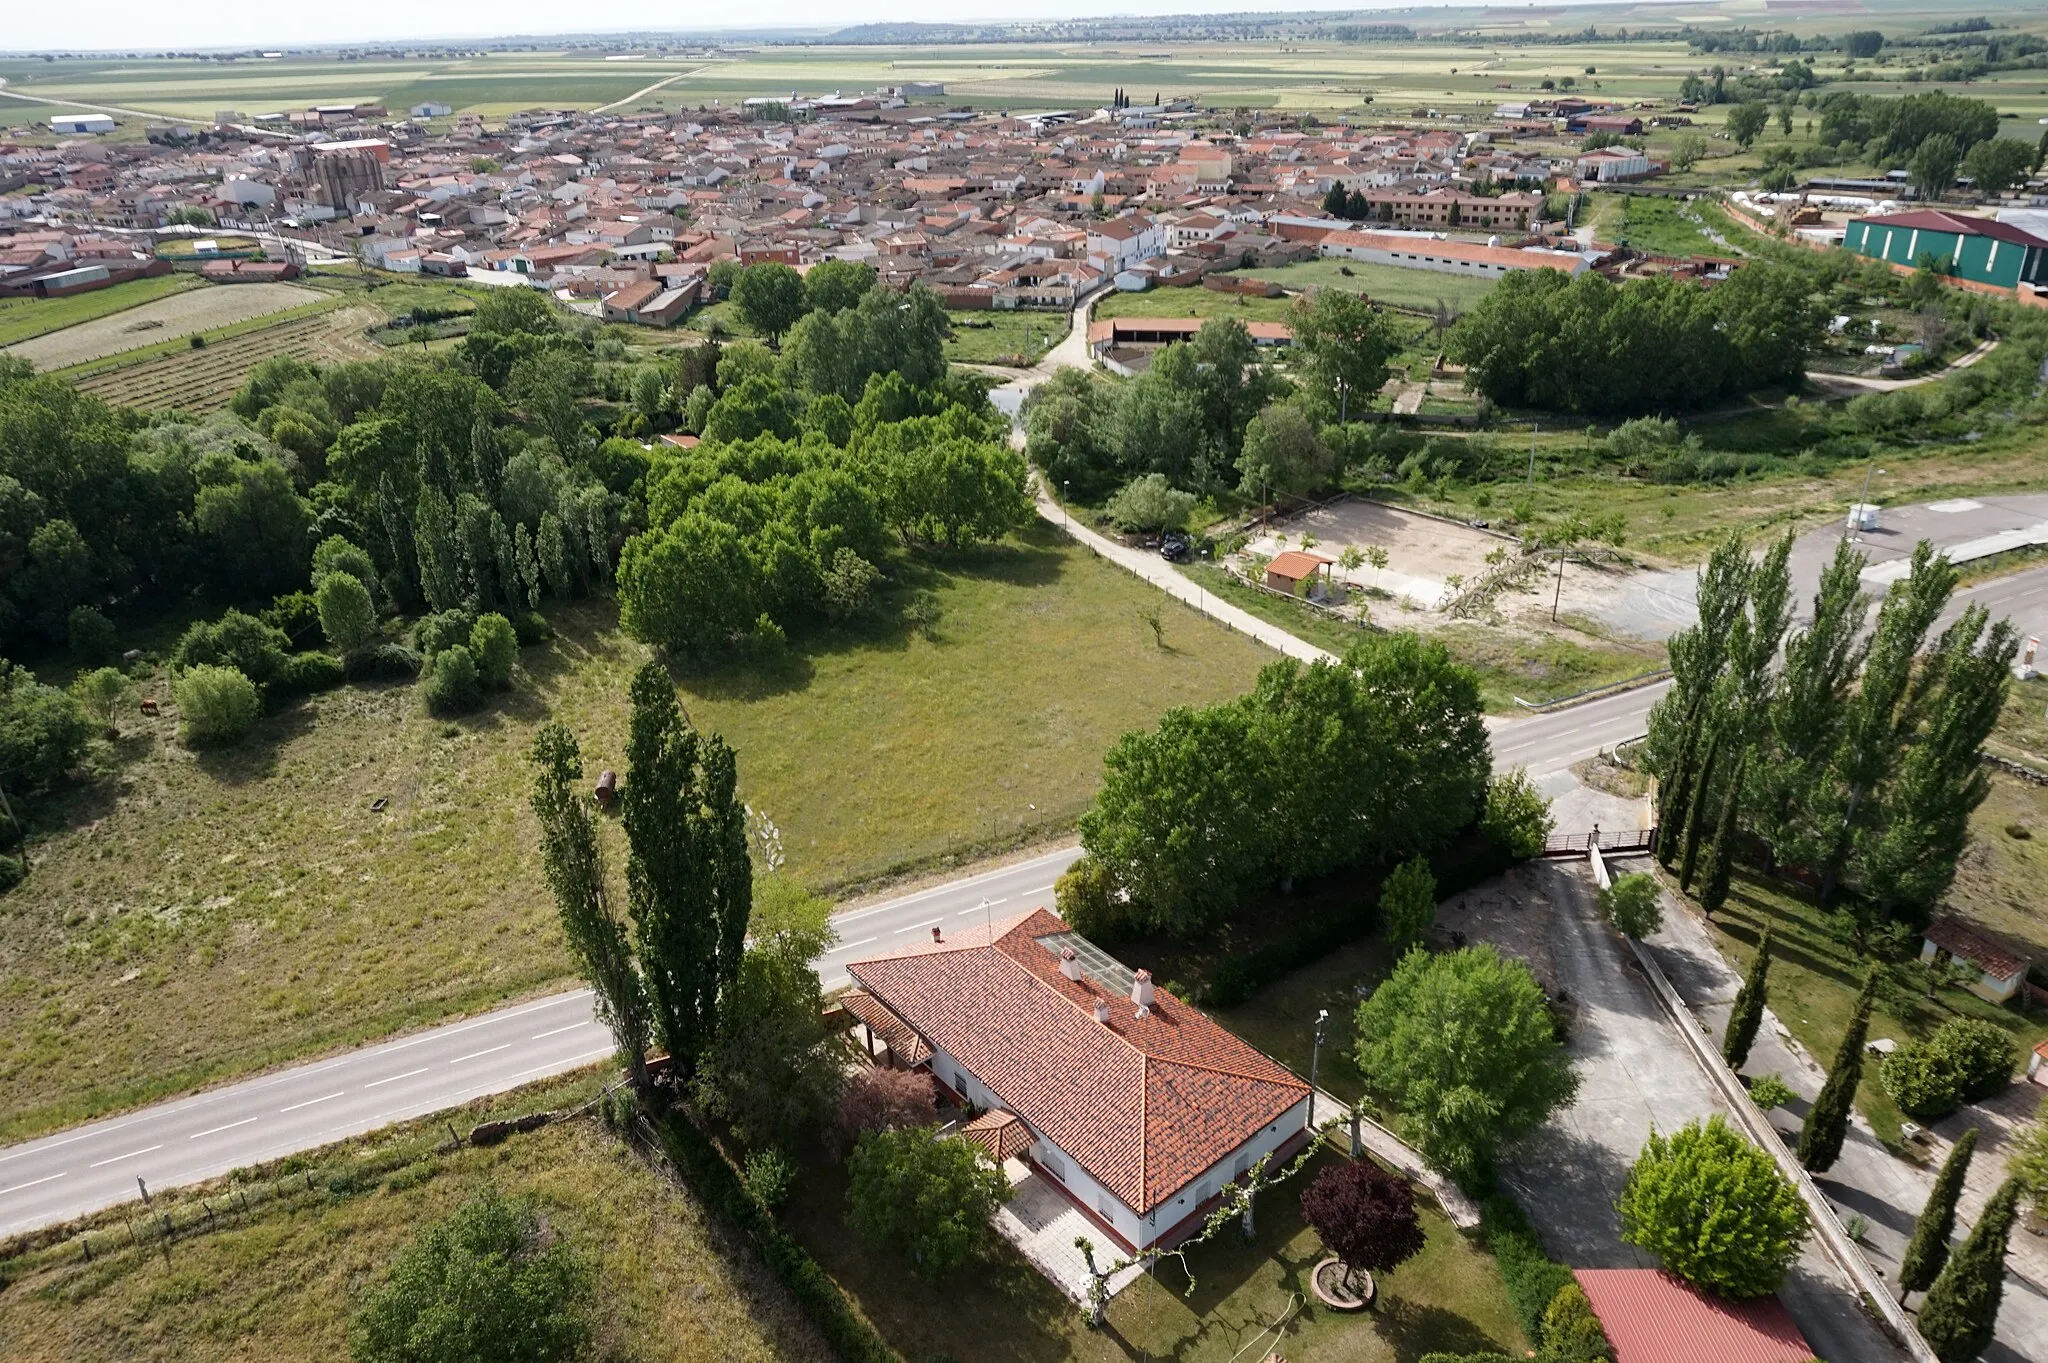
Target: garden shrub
x: 1965, y: 1061
x: 12, y: 873
x: 1533, y: 1279
x: 449, y: 681
x: 295, y: 613
x: 305, y: 673
x: 386, y: 662
x: 216, y: 705
x: 238, y: 641
x: 495, y: 647
x: 443, y: 629
x: 1571, y: 1332
x: 91, y: 635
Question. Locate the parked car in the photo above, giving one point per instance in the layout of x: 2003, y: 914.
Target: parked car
x: 1174, y: 547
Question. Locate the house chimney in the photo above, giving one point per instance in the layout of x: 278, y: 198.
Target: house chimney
x: 1102, y: 1011
x: 1070, y: 964
x: 1141, y: 992
x: 936, y: 937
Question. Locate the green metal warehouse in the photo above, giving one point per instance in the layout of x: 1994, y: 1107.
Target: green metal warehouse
x: 1979, y: 250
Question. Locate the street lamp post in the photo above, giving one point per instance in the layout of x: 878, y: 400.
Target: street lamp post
x: 1315, y: 1059
x: 1066, y: 494
x: 1863, y: 500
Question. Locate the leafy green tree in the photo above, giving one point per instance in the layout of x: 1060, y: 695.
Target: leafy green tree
x: 338, y: 554
x: 495, y: 646
x: 769, y: 297
x: 91, y: 635
x: 1827, y: 1122
x: 347, y: 617
x: 513, y: 311
x: 689, y: 880
x: 835, y: 285
x: 1927, y: 1252
x: 1517, y: 815
x: 573, y: 862
x: 1463, y: 1046
x: 1347, y: 343
x: 1571, y: 1332
x: 1699, y: 657
x: 243, y: 642
x: 1747, y: 1014
x: 102, y: 692
x: 252, y: 529
x: 216, y: 705
x: 1932, y: 168
x: 487, y: 1285
x: 1961, y: 1309
x: 1715, y: 1209
x: 1149, y: 502
x: 440, y: 552
x: 1283, y: 454
x: 1408, y: 903
x: 1631, y: 904
x: 755, y: 407
x: 43, y: 731
x: 1746, y: 122
x: 920, y: 1194
x: 553, y: 550
x: 1997, y: 164
x: 773, y: 1070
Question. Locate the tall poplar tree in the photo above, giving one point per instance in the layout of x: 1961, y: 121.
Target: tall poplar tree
x: 440, y: 554
x: 1721, y: 852
x: 1927, y: 1252
x: 1807, y: 709
x: 1698, y: 657
x: 1961, y: 1310
x: 689, y: 881
x: 1827, y: 1122
x: 573, y: 862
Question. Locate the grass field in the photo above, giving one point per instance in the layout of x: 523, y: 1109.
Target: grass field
x: 1195, y: 302
x: 1007, y: 338
x: 1661, y: 227
x: 281, y: 1281
x: 191, y: 918
x: 172, y: 375
x: 1423, y: 289
x: 167, y: 319
x: 24, y: 318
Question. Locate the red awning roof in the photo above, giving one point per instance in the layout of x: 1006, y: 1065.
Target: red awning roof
x: 1296, y: 564
x: 1652, y: 1317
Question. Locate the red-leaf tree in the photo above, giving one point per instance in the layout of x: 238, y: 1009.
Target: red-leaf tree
x: 1365, y: 1216
x: 882, y: 1100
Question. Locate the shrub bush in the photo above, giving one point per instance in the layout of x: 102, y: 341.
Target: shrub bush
x: 216, y: 705
x: 495, y: 647
x: 1965, y: 1061
x: 1982, y: 1055
x: 92, y: 636
x: 1571, y: 1332
x: 347, y: 615
x: 295, y: 613
x: 1517, y: 815
x: 449, y: 682
x: 336, y: 554
x: 305, y: 673
x: 532, y: 627
x: 386, y: 662
x: 443, y: 629
x: 1533, y: 1279
x: 239, y: 641
x: 12, y: 873
x: 1920, y: 1081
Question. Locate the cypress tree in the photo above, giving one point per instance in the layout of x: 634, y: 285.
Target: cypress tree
x: 1721, y: 855
x: 1671, y: 802
x: 1820, y: 1140
x: 1961, y: 1309
x: 1696, y: 811
x: 1927, y: 1252
x: 1748, y: 1013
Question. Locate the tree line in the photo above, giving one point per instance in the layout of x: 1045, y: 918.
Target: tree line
x: 1856, y: 760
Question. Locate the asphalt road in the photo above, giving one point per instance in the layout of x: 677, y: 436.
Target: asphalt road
x: 191, y: 1139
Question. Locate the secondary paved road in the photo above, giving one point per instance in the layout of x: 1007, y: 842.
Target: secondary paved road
x: 185, y: 1141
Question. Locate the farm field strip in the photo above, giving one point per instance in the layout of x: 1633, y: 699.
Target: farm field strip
x: 22, y: 319
x: 166, y: 319
x: 202, y: 381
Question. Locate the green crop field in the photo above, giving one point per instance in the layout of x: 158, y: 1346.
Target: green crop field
x: 23, y: 318
x: 1386, y: 283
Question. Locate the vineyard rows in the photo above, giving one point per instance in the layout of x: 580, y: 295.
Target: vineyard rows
x: 202, y: 381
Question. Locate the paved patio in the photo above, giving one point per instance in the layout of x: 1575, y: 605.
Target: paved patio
x: 1042, y: 1222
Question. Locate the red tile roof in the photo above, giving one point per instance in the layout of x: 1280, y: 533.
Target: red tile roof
x: 1144, y: 1104
x: 1652, y: 1317
x: 1297, y: 564
x: 1952, y: 936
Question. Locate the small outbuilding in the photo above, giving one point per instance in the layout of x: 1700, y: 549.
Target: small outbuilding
x: 1652, y: 1317
x: 1296, y: 571
x: 2003, y: 973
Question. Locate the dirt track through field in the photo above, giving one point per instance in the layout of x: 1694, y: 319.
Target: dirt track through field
x: 164, y: 320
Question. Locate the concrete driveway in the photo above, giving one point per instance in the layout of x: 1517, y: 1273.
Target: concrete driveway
x: 1635, y: 1075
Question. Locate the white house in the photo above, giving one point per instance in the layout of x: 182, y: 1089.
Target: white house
x: 1613, y: 163
x: 1119, y: 242
x: 1137, y: 1107
x: 2001, y: 974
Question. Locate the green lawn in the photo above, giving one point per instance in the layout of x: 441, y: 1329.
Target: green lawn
x: 1388, y: 283
x: 22, y: 318
x: 191, y: 918
x: 998, y: 1309
x: 281, y: 1281
x: 1192, y: 302
x: 1659, y: 226
x: 988, y: 336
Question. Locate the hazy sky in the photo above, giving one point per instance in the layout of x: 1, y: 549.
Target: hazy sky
x: 135, y: 25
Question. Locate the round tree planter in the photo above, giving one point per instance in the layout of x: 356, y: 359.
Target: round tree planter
x: 1332, y: 1290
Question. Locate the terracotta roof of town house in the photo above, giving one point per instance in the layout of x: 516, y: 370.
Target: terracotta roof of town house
x: 1296, y: 564
x: 1143, y: 1104
x: 1652, y: 1317
x: 1963, y: 942
x: 1000, y: 1133
x: 887, y: 1027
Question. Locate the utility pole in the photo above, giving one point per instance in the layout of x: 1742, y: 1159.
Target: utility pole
x: 1533, y: 428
